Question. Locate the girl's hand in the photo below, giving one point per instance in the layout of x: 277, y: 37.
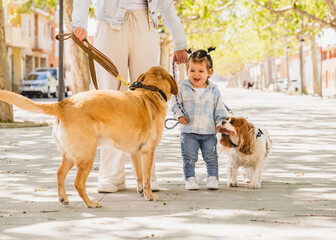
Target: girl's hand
x: 80, y: 33
x: 182, y: 120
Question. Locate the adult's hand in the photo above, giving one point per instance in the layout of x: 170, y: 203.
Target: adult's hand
x: 180, y: 56
x: 80, y: 33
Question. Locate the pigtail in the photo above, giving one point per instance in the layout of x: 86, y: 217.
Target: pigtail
x: 210, y: 49
x: 189, y: 51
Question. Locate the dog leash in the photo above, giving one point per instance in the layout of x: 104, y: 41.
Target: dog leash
x: 179, y: 105
x: 99, y: 57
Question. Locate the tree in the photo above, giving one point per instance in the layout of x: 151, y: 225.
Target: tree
x: 80, y: 72
x: 316, y: 15
x: 6, y: 110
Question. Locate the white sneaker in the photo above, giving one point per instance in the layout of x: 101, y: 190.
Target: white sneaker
x: 106, y: 187
x: 155, y: 186
x: 191, y: 184
x: 212, y: 183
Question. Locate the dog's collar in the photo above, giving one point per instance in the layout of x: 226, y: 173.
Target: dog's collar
x: 233, y: 144
x: 258, y: 135
x: 136, y: 85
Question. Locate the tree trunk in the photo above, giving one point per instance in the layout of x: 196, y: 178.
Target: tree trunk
x: 302, y: 72
x: 264, y: 76
x: 287, y: 69
x: 80, y: 71
x: 164, y: 52
x: 182, y: 72
x: 6, y: 110
x: 269, y: 72
x: 316, y: 83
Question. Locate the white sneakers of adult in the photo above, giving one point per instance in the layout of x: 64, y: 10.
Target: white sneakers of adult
x: 106, y: 187
x: 212, y: 183
x: 191, y: 184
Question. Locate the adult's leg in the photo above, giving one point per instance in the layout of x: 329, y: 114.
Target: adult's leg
x: 144, y: 52
x: 111, y: 42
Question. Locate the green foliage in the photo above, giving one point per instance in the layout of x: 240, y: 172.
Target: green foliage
x: 246, y: 32
x: 38, y: 4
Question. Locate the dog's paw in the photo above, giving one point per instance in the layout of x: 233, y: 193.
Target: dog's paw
x: 150, y: 196
x: 233, y: 184
x: 94, y: 205
x: 140, y: 189
x: 254, y: 185
x: 63, y: 201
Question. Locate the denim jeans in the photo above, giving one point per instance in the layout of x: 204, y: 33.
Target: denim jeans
x: 190, y: 144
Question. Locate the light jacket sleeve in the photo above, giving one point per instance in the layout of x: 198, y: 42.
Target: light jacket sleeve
x: 80, y: 13
x: 220, y: 111
x: 173, y: 23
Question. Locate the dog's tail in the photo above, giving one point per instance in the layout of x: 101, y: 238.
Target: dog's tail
x: 27, y: 104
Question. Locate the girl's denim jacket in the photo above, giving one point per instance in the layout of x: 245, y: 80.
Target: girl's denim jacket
x: 113, y: 12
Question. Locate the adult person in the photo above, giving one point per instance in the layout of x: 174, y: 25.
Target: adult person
x: 126, y: 33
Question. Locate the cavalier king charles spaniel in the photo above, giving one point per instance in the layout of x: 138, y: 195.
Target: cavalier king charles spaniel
x: 248, y: 147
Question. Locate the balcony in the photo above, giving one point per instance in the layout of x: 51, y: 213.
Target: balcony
x: 17, y: 37
x: 42, y: 43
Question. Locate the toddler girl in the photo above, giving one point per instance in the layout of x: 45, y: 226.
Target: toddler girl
x: 200, y: 109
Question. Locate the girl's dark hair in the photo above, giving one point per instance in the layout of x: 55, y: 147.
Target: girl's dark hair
x: 200, y: 56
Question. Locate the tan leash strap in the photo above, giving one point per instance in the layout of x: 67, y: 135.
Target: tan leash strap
x: 94, y: 54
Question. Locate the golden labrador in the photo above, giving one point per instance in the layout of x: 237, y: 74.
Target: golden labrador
x: 131, y: 121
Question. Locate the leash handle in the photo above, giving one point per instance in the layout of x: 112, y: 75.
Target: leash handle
x: 171, y: 119
x: 94, y: 54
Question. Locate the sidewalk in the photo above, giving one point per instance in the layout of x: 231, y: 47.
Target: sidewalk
x: 297, y: 199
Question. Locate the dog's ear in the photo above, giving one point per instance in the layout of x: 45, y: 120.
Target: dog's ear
x: 141, y: 77
x: 173, y: 85
x: 246, y: 138
x: 226, y: 142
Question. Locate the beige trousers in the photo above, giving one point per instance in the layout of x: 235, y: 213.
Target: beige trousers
x: 133, y: 49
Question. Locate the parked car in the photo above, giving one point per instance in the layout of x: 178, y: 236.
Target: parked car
x: 54, y: 72
x: 295, y: 83
x: 39, y: 83
x: 283, y: 83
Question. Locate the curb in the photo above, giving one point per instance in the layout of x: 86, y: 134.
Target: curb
x: 23, y: 124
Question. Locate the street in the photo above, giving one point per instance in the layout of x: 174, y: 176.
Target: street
x: 297, y: 199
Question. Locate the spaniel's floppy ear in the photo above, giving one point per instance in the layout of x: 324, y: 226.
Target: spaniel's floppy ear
x: 173, y: 85
x: 246, y: 138
x: 226, y: 142
x: 141, y: 77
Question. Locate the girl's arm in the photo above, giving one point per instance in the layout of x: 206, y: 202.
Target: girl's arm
x: 220, y: 111
x: 177, y: 106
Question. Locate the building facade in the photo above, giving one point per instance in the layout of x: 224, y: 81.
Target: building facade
x: 29, y: 41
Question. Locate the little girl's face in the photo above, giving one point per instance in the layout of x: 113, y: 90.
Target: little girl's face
x: 198, y: 73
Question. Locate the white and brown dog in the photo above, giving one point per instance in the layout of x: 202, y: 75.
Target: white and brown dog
x: 131, y: 121
x: 248, y: 147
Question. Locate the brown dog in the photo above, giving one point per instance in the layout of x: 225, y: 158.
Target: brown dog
x: 131, y: 121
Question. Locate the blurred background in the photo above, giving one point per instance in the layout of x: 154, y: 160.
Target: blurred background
x: 283, y: 45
